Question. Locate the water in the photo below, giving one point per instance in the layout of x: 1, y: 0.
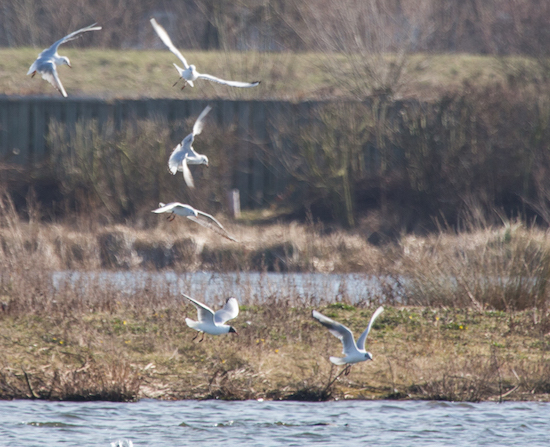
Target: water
x: 252, y: 423
x: 249, y: 287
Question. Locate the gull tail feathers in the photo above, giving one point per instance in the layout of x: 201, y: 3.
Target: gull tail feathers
x: 337, y: 360
x: 191, y: 323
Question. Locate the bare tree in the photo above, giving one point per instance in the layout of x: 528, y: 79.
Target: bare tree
x: 367, y: 42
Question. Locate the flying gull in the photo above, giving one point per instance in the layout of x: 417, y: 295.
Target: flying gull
x: 354, y: 353
x: 190, y: 73
x: 211, y: 322
x: 204, y: 219
x: 47, y: 61
x: 184, y: 154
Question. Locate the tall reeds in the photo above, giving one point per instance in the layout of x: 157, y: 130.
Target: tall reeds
x: 505, y: 269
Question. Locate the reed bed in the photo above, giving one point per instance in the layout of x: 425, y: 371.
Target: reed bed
x: 466, y: 315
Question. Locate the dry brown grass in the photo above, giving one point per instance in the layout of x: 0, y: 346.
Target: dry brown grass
x: 185, y: 246
x: 503, y: 268
x: 134, y: 352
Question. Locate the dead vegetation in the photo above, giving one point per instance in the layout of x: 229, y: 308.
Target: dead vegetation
x: 468, y: 319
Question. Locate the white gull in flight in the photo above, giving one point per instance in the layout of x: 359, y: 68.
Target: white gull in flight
x: 190, y: 73
x: 211, y: 322
x: 47, y: 61
x: 200, y: 217
x: 354, y: 353
x: 184, y: 154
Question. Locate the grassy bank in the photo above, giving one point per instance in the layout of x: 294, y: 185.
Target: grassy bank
x: 466, y: 317
x: 131, y: 74
x: 131, y: 350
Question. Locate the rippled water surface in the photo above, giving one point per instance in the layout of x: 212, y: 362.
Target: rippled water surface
x: 252, y: 423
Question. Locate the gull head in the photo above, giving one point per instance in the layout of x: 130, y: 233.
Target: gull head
x: 232, y: 329
x: 203, y: 160
x: 64, y: 60
x: 368, y: 356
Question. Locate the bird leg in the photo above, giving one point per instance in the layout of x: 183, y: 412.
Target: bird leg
x: 171, y: 217
x: 347, y: 369
x: 202, y: 338
x: 195, y: 337
x: 33, y: 73
x: 331, y: 382
x: 184, y: 83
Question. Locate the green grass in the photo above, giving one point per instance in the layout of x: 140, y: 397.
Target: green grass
x: 134, y: 74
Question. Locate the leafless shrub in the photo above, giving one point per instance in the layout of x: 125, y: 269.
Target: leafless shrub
x: 117, y: 174
x: 328, y: 156
x: 374, y: 37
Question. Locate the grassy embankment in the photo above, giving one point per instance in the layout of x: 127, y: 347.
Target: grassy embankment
x: 131, y: 74
x: 472, y: 324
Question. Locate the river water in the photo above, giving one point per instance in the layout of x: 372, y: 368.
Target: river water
x: 255, y: 423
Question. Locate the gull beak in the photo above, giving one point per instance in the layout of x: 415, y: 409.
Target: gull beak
x: 69, y: 65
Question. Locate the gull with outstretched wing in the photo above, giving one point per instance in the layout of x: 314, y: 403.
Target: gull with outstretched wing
x: 200, y: 217
x: 48, y: 60
x: 211, y: 322
x: 190, y: 73
x: 353, y: 352
x: 184, y: 155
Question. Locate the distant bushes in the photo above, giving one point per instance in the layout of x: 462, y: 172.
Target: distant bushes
x: 479, y: 155
x: 474, y: 155
x: 491, y: 27
x: 116, y: 174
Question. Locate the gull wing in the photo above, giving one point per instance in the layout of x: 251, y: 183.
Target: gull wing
x: 338, y: 330
x: 68, y: 37
x: 179, y: 153
x: 228, y: 312
x: 48, y: 71
x: 231, y: 83
x: 176, y: 158
x: 168, y: 42
x: 210, y: 222
x: 205, y: 314
x: 363, y: 338
x: 199, y: 124
x: 187, y: 173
